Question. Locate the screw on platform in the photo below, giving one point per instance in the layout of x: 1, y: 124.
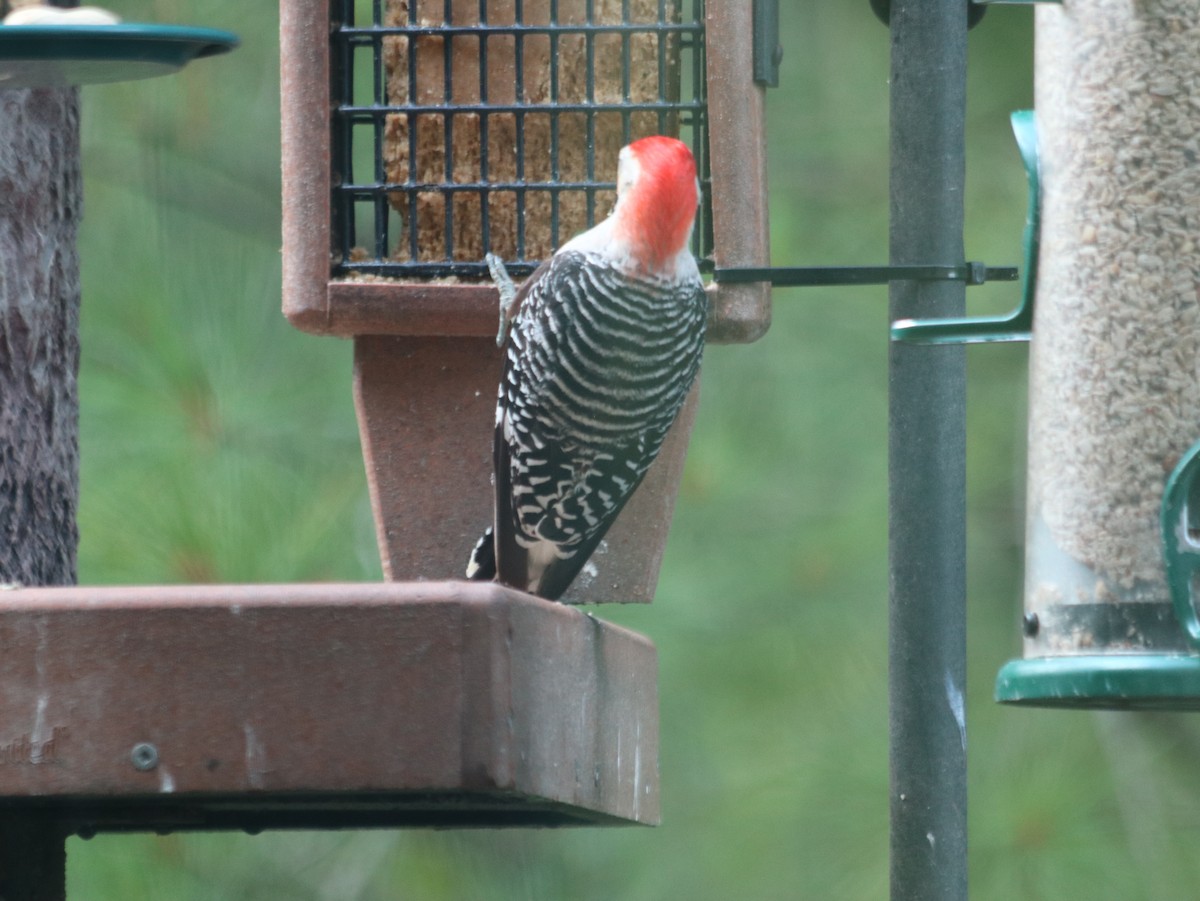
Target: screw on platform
x: 144, y: 756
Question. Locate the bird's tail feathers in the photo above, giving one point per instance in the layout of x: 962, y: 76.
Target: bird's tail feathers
x: 482, y: 565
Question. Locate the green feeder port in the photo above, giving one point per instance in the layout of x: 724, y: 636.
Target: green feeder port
x: 60, y: 55
x: 1149, y: 659
x: 1103, y: 682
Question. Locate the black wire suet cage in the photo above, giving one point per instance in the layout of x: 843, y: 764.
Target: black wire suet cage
x: 463, y: 128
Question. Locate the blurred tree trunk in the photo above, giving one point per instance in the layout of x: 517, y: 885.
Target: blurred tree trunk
x: 40, y: 206
x: 40, y: 200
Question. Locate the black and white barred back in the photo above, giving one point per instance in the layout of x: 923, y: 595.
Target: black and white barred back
x: 598, y: 365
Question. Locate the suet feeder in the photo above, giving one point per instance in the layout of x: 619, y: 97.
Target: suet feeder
x: 419, y: 136
x: 1114, y: 409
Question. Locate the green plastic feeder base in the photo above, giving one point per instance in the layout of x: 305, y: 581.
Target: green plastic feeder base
x: 34, y: 56
x: 1108, y: 682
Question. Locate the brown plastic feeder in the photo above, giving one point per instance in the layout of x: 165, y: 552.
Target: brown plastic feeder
x: 321, y: 706
x: 492, y: 156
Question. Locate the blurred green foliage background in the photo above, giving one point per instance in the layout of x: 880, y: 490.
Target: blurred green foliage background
x: 220, y: 445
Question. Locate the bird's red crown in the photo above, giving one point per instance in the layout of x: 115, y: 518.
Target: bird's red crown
x: 658, y: 214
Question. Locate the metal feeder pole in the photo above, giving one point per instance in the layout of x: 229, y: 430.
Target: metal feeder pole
x: 927, y: 460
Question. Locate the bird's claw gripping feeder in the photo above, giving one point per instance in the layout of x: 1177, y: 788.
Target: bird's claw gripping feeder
x: 460, y: 130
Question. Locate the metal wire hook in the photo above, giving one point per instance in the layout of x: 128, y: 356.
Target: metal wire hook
x: 1017, y: 325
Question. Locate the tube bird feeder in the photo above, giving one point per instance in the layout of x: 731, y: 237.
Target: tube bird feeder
x: 1114, y: 406
x: 419, y: 136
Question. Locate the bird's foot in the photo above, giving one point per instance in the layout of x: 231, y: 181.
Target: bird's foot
x: 508, y: 291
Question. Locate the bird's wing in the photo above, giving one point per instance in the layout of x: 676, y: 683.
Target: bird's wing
x: 506, y: 548
x: 509, y: 314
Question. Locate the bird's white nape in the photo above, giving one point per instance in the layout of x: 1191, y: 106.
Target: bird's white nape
x: 628, y: 170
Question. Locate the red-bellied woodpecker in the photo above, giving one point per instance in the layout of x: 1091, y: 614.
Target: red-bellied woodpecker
x: 605, y: 341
